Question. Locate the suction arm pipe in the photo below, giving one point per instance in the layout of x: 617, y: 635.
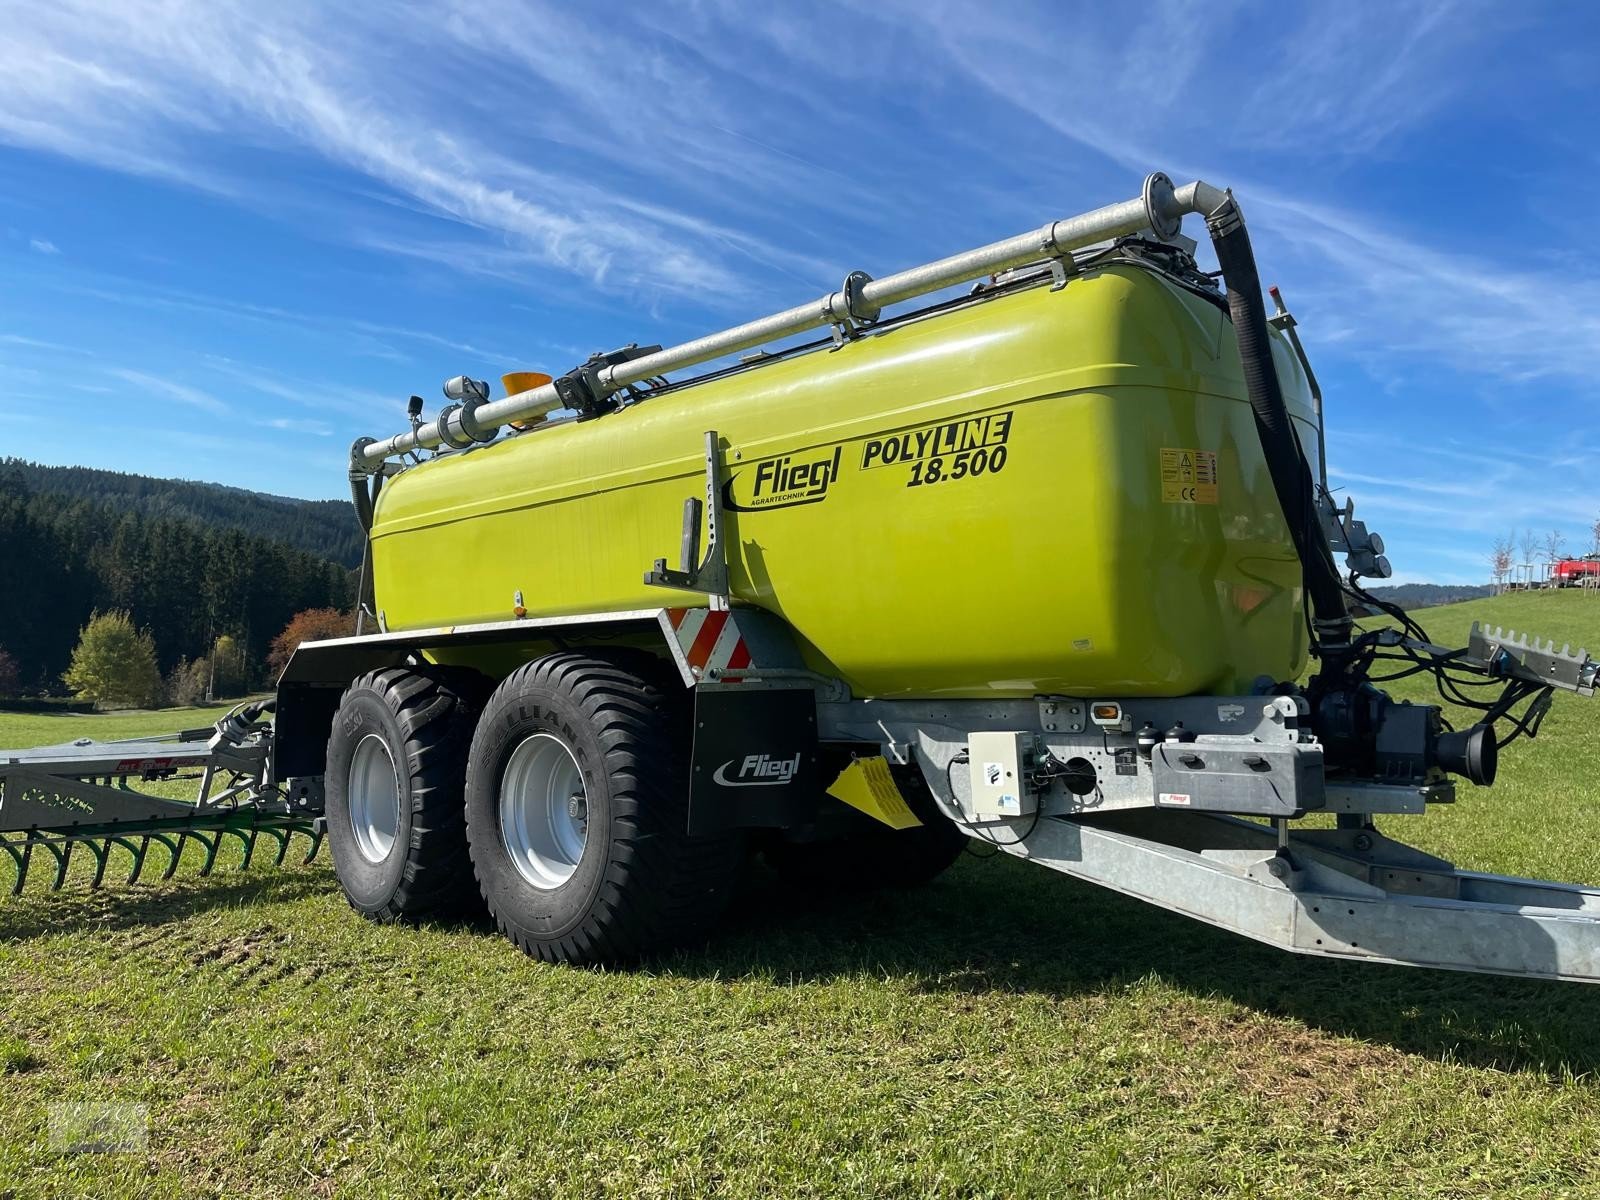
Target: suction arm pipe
x: 1160, y: 206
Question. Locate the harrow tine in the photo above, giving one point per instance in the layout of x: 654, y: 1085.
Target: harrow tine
x: 138, y: 853
x: 174, y: 852
x: 249, y: 840
x: 212, y: 844
x: 63, y: 856
x: 316, y: 844
x: 101, y: 851
x: 20, y: 858
x: 282, y: 835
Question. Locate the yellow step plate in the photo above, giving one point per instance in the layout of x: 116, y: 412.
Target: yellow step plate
x: 868, y: 785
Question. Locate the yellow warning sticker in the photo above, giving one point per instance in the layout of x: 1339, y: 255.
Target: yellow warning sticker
x: 1189, y: 476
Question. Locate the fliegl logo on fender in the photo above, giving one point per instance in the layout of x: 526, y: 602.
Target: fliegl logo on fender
x: 970, y: 447
x: 758, y: 770
x: 783, y: 481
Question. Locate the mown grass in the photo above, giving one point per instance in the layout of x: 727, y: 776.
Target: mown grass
x: 1003, y: 1032
x: 1528, y: 822
x: 50, y: 729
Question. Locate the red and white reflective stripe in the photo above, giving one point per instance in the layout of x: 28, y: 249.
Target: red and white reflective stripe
x: 710, y: 640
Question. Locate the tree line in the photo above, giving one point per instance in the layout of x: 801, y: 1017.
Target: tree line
x: 115, y: 663
x: 325, y: 528
x: 183, y: 583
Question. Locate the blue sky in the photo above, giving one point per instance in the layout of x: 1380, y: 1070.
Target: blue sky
x: 233, y: 236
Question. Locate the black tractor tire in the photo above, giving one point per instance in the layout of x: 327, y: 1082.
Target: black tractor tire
x: 639, y: 884
x: 423, y: 722
x: 871, y: 855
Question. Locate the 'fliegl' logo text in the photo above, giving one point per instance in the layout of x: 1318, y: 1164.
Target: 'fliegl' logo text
x: 784, y: 481
x: 758, y: 770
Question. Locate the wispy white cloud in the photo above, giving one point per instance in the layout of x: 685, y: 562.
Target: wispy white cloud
x: 30, y: 343
x: 304, y: 394
x: 1340, y: 476
x: 1346, y: 79
x: 1333, y: 82
x: 43, y: 246
x: 356, y: 335
x: 189, y: 75
x: 1420, y: 300
x: 171, y: 389
x: 289, y: 425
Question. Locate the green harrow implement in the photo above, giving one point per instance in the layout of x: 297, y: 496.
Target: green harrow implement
x: 92, y: 795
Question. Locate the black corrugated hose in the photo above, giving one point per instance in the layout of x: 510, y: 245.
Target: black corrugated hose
x: 365, y: 504
x: 362, y: 500
x: 1291, y: 474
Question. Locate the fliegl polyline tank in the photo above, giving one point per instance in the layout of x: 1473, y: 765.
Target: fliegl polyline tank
x: 1035, y: 489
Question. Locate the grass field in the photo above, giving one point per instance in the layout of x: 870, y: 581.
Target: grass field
x: 1003, y: 1032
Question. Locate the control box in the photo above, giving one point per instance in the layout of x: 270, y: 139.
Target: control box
x: 1001, y: 766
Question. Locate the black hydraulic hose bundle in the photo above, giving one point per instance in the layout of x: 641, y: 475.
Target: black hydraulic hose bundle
x: 1286, y: 461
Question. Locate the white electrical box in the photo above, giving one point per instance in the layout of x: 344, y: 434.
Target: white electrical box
x: 1000, y: 766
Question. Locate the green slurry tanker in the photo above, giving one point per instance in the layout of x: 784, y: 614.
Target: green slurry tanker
x: 1036, y: 563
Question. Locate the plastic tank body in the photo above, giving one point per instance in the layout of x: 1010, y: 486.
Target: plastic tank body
x: 1032, y: 492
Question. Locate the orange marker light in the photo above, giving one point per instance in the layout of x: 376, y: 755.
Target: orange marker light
x: 524, y: 381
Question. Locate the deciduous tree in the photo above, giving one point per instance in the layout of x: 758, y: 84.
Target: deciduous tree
x: 1500, y: 560
x: 313, y: 624
x: 230, y: 670
x: 115, y: 662
x: 188, y: 682
x: 1528, y: 547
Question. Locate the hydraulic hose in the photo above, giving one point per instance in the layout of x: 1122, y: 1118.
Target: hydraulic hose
x: 1286, y: 462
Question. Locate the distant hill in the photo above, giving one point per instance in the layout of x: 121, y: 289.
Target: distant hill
x: 1427, y: 595
x: 324, y: 528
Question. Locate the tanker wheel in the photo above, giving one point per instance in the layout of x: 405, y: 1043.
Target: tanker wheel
x: 577, y: 806
x: 396, y: 758
x: 870, y: 854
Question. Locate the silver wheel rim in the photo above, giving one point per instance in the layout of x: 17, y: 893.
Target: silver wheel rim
x: 374, y: 795
x: 544, y: 811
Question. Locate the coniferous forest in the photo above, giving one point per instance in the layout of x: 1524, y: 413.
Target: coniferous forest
x: 325, y: 528
x: 180, y: 562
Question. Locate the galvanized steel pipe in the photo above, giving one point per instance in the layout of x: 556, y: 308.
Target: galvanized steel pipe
x: 1160, y: 206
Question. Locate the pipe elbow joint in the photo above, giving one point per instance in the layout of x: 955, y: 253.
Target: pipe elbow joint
x: 1201, y: 197
x: 359, y: 469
